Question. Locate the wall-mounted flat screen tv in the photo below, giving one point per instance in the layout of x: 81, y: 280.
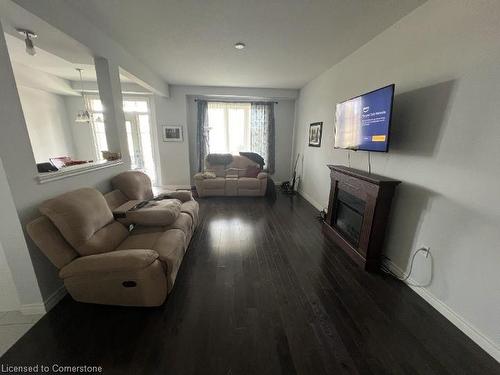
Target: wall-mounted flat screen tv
x: 363, y: 123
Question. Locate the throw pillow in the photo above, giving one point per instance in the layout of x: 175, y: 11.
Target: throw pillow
x: 252, y: 171
x: 208, y: 175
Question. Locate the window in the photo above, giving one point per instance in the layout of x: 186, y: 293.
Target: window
x: 138, y: 128
x: 98, y: 127
x: 229, y: 127
x: 139, y: 142
x: 234, y: 127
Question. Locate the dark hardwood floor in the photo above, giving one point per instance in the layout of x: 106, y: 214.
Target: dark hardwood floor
x: 260, y: 291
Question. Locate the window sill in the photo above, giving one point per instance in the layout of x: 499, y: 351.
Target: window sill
x: 76, y: 170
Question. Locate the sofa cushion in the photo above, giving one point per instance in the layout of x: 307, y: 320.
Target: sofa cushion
x: 115, y: 199
x: 143, y: 236
x: 182, y: 195
x: 171, y: 246
x: 219, y: 170
x: 50, y: 241
x: 208, y: 174
x: 215, y: 183
x: 111, y: 262
x: 236, y: 172
x: 238, y: 167
x: 141, y: 239
x: 120, y: 212
x: 248, y: 183
x: 85, y: 221
x: 104, y: 240
x: 108, y: 287
x: 154, y: 213
x: 133, y: 184
x: 184, y: 222
x: 192, y: 208
x: 252, y: 171
x: 241, y: 162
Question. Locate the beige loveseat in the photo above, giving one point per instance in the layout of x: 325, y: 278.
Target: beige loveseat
x: 100, y: 259
x: 230, y: 179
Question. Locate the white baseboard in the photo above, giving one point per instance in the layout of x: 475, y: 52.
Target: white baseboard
x: 32, y: 309
x: 308, y: 198
x: 46, y: 306
x: 462, y: 324
x: 54, y: 298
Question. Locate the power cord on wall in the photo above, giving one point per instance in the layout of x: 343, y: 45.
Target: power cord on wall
x: 322, y: 215
x: 369, y: 163
x: 405, y: 278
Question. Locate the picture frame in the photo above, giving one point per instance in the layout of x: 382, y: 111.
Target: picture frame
x: 172, y: 133
x: 315, y: 134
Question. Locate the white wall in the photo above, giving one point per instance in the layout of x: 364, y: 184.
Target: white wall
x: 64, y: 17
x: 284, y: 113
x: 20, y: 169
x: 50, y: 114
x: 19, y: 284
x: 180, y: 109
x: 83, y: 138
x: 48, y: 125
x: 444, y: 59
x: 37, y: 79
x: 9, y: 301
x: 10, y: 233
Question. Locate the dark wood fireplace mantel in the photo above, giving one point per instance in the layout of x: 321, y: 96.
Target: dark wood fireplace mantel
x: 358, y: 209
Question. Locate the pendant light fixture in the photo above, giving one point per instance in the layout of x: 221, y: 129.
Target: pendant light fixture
x: 82, y: 116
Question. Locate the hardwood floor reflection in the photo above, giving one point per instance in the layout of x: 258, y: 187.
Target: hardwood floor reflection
x: 260, y: 291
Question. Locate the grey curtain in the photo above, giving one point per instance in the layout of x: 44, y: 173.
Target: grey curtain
x: 202, y: 133
x: 262, y: 132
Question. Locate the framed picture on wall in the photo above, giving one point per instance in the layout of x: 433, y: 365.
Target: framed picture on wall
x: 315, y: 130
x: 172, y: 133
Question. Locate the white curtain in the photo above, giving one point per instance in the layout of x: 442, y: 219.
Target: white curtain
x: 202, y: 133
x: 262, y: 132
x: 229, y: 127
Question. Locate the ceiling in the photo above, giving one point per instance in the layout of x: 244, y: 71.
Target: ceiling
x: 289, y: 42
x: 49, y: 38
x: 47, y: 62
x: 57, y: 54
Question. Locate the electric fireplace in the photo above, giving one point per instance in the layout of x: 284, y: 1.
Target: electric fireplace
x: 348, y: 218
x: 358, y: 210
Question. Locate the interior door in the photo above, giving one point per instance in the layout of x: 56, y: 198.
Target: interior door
x: 139, y: 143
x: 134, y: 145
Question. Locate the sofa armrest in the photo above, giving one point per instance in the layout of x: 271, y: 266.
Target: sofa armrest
x: 181, y: 195
x: 262, y: 175
x: 114, y: 261
x: 198, y: 176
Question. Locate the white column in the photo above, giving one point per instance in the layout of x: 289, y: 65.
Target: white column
x: 108, y: 82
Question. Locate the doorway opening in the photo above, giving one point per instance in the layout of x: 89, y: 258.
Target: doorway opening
x: 139, y: 138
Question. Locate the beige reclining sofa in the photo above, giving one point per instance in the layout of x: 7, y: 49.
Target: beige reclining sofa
x: 104, y: 261
x: 230, y: 179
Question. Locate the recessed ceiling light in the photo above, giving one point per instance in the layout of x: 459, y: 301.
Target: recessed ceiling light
x: 239, y: 45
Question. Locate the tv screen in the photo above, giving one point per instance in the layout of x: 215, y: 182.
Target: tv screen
x: 363, y: 122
